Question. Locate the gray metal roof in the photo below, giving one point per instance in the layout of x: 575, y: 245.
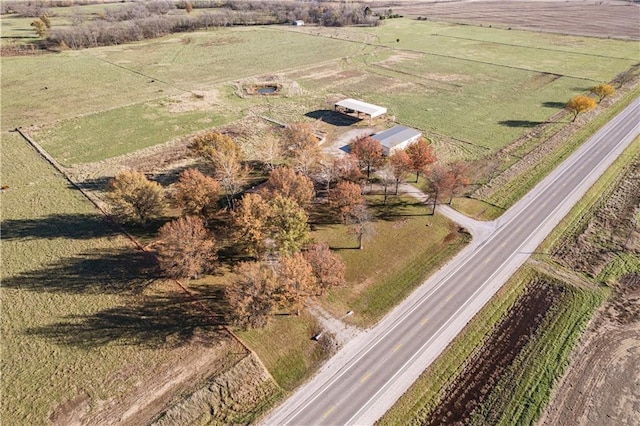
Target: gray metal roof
x: 396, y: 135
x: 369, y: 109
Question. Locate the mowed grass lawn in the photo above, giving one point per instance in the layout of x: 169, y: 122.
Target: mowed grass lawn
x: 406, y: 246
x: 82, y: 316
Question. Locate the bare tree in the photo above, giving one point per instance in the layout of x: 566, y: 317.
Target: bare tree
x: 360, y: 223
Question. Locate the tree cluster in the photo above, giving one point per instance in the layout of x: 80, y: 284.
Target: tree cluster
x: 581, y: 103
x: 269, y: 225
x: 262, y: 289
x: 145, y: 20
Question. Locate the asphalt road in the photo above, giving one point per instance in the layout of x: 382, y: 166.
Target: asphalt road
x: 367, y: 376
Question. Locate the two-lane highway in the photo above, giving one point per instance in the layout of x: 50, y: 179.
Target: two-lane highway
x: 367, y: 377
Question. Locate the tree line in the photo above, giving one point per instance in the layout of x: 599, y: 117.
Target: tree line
x: 265, y: 229
x: 146, y: 20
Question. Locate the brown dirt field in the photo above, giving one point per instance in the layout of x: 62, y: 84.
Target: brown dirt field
x: 602, y: 384
x: 615, y: 19
x: 486, y: 367
x: 614, y: 228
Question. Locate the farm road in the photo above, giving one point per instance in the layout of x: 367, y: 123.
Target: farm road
x: 363, y: 380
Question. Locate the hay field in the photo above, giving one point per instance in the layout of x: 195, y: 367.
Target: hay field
x: 89, y: 335
x: 474, y: 89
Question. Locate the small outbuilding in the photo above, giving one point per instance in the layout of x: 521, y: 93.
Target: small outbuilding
x: 398, y: 137
x: 351, y: 106
x: 298, y: 23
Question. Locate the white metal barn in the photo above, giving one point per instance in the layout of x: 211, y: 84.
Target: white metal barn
x: 398, y: 137
x: 350, y: 106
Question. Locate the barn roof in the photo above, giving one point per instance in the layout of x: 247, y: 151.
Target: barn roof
x: 372, y: 110
x: 396, y: 136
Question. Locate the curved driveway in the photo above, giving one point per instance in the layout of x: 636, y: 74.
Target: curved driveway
x: 372, y: 371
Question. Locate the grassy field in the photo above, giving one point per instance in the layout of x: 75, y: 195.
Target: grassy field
x: 582, y: 211
x: 286, y: 349
x: 406, y: 246
x: 510, y: 193
x: 479, y: 88
x: 84, y: 321
x: 84, y: 140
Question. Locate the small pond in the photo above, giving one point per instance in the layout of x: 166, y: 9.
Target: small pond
x: 266, y: 90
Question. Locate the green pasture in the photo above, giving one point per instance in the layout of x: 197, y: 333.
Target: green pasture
x: 82, y: 315
x: 583, y: 57
x: 123, y: 130
x: 45, y: 88
x: 480, y: 86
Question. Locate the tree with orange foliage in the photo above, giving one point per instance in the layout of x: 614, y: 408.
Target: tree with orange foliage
x: 440, y: 183
x: 296, y: 282
x: 251, y: 295
x: 251, y: 224
x: 400, y: 165
x: 286, y: 182
x: 421, y: 155
x: 345, y: 197
x: 185, y: 248
x: 368, y: 151
x: 195, y: 193
x: 602, y: 91
x: 579, y: 104
x: 328, y: 268
x: 134, y: 197
x: 227, y: 159
x: 346, y: 168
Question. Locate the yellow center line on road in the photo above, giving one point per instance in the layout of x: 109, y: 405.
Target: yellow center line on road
x: 365, y: 377
x: 449, y: 298
x: 487, y: 260
x: 329, y: 411
x: 503, y: 244
x: 398, y: 346
x: 424, y: 321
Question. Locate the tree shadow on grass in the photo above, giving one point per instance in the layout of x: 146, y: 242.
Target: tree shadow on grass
x: 551, y: 104
x: 69, y: 226
x: 167, y: 321
x: 521, y: 123
x: 108, y: 271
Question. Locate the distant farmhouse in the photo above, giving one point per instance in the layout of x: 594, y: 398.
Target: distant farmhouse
x: 398, y: 137
x: 353, y: 106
